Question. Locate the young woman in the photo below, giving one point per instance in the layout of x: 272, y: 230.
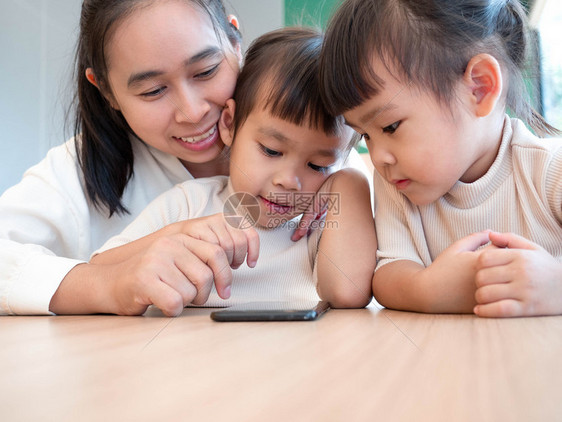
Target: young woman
x: 152, y: 78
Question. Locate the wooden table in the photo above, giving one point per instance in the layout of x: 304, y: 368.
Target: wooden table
x: 350, y: 365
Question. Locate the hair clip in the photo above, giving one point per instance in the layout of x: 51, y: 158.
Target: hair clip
x: 233, y: 20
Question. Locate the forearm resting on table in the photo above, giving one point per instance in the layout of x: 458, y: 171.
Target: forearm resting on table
x: 406, y: 285
x: 86, y: 289
x: 347, y: 249
x: 90, y: 287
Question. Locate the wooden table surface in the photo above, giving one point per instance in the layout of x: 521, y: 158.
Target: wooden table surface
x: 350, y: 365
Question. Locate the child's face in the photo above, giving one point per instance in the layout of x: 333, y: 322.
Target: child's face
x: 417, y: 144
x: 171, y: 76
x: 282, y: 164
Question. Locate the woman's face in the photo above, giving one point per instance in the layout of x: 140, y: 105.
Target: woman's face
x: 170, y: 77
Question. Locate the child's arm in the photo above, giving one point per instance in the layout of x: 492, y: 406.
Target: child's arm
x: 518, y: 278
x: 445, y: 286
x: 347, y: 249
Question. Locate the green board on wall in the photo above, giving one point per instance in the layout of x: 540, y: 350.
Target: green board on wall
x: 316, y: 13
x: 313, y: 13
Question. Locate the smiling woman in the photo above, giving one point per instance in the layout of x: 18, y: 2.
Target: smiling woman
x: 170, y: 75
x: 132, y: 142
x: 167, y: 74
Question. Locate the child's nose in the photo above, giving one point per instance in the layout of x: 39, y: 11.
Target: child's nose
x: 381, y: 156
x: 288, y: 179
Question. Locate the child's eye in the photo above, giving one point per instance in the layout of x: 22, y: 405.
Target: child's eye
x: 207, y: 73
x: 320, y: 169
x: 365, y: 136
x: 270, y: 152
x: 154, y: 93
x: 390, y: 129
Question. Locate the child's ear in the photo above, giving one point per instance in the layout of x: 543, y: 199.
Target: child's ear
x: 484, y: 79
x: 226, y: 122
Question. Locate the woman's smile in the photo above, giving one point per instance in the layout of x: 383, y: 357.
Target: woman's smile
x: 199, y: 142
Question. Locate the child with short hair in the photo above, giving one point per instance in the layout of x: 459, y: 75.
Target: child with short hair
x: 285, y: 151
x: 468, y: 202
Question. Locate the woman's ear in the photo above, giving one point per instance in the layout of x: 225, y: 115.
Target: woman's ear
x: 226, y: 122
x: 91, y: 77
x: 483, y: 77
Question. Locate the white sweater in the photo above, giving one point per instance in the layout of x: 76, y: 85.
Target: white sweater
x: 521, y: 193
x: 47, y: 224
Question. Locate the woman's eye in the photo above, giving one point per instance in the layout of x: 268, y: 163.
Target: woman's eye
x: 390, y: 129
x: 365, y: 136
x: 154, y: 93
x: 320, y: 169
x: 207, y: 73
x: 270, y: 152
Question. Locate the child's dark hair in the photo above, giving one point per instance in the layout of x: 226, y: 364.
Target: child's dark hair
x: 280, y: 74
x: 103, y: 147
x: 430, y: 42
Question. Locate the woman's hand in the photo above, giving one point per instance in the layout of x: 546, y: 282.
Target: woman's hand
x: 170, y: 269
x: 173, y: 272
x: 238, y: 244
x: 517, y: 278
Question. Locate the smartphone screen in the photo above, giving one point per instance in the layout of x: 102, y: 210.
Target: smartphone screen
x: 272, y: 311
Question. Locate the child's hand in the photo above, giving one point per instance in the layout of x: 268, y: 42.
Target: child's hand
x: 518, y: 278
x: 452, y: 274
x: 316, y: 210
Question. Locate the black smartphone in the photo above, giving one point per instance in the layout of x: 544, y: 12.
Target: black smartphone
x: 272, y: 311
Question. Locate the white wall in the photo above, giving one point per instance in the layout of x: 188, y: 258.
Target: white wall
x: 257, y: 16
x: 37, y: 40
x: 36, y: 48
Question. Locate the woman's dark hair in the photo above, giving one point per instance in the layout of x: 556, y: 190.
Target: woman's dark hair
x: 430, y: 42
x: 280, y: 74
x: 103, y: 146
